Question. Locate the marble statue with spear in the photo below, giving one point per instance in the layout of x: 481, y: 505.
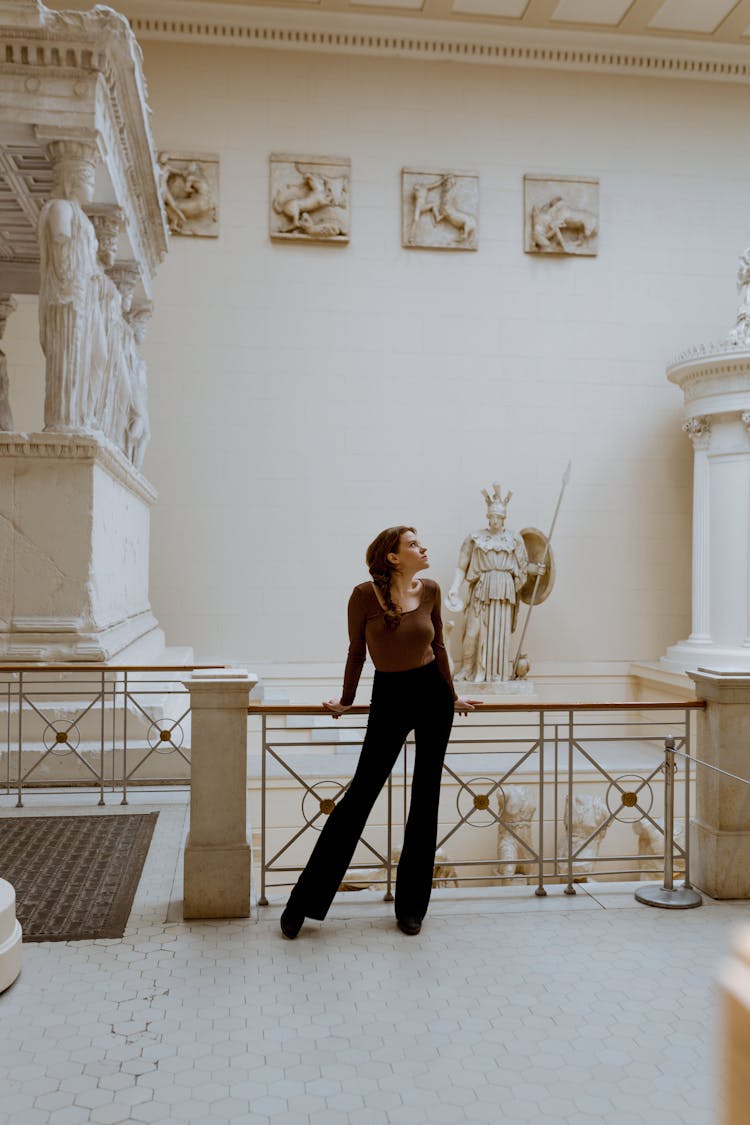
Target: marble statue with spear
x: 502, y: 569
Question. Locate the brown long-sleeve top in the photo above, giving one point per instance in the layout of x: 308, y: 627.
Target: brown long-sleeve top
x: 417, y: 641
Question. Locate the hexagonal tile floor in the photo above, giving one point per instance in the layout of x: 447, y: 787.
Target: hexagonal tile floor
x: 505, y: 1008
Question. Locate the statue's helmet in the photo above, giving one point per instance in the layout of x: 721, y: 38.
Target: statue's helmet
x: 497, y: 504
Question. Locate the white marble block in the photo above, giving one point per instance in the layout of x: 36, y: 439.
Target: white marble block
x: 74, y: 551
x: 10, y: 937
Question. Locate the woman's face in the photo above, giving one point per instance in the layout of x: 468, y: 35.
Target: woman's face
x: 411, y: 555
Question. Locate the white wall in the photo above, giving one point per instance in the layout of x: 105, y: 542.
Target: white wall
x: 303, y: 397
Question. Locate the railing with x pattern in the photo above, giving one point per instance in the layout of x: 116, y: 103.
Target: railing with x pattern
x: 90, y: 726
x: 572, y: 791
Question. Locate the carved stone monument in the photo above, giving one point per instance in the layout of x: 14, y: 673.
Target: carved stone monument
x: 715, y: 382
x: 75, y: 537
x: 309, y: 198
x: 439, y: 210
x: 189, y: 185
x: 561, y: 215
x: 494, y: 564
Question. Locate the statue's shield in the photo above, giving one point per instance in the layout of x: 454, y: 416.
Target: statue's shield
x: 538, y: 550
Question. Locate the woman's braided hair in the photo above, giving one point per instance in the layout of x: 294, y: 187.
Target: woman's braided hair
x: 381, y: 569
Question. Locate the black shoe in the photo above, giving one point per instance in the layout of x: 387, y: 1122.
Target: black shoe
x: 291, y: 923
x: 410, y: 926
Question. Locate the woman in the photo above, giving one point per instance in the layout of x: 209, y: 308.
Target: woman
x: 397, y: 617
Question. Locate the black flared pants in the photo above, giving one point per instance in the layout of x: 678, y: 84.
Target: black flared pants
x: 418, y: 700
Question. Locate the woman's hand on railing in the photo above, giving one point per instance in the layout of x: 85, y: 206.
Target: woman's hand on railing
x: 463, y: 706
x: 335, y: 707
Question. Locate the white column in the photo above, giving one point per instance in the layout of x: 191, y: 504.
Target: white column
x: 217, y: 853
x: 699, y: 431
x: 715, y: 382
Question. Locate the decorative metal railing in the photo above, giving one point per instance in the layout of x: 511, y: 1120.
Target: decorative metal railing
x: 550, y: 779
x: 107, y: 728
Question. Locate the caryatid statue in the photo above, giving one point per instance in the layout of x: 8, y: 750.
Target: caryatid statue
x: 501, y: 568
x: 72, y: 332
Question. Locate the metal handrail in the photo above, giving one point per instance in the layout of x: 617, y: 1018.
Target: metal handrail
x: 107, y: 667
x: 486, y: 708
x: 578, y: 726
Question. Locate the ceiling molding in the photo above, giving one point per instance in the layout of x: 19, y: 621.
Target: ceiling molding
x: 369, y: 33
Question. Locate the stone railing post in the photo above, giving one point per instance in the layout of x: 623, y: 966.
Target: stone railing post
x: 217, y: 853
x: 721, y: 828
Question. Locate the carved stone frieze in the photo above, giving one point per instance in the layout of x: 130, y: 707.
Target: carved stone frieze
x: 80, y: 447
x: 561, y: 215
x: 189, y: 185
x: 310, y: 198
x: 68, y: 72
x: 479, y: 43
x: 439, y: 210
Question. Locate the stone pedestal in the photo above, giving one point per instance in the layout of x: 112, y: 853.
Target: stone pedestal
x: 74, y: 552
x: 721, y: 828
x: 217, y: 853
x: 498, y: 691
x: 715, y: 382
x: 10, y: 937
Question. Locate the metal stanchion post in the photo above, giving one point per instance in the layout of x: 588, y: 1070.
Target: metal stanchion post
x: 667, y: 895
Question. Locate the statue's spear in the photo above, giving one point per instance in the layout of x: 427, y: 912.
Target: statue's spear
x: 565, y: 481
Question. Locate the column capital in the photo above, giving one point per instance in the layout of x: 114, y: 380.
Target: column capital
x: 698, y: 429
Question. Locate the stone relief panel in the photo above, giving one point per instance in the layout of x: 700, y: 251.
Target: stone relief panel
x: 310, y: 198
x: 439, y: 210
x: 561, y: 215
x: 189, y: 185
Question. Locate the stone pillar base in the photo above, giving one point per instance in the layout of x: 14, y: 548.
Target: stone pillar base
x: 720, y: 863
x: 74, y: 549
x: 10, y: 937
x: 217, y: 881
x: 690, y: 655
